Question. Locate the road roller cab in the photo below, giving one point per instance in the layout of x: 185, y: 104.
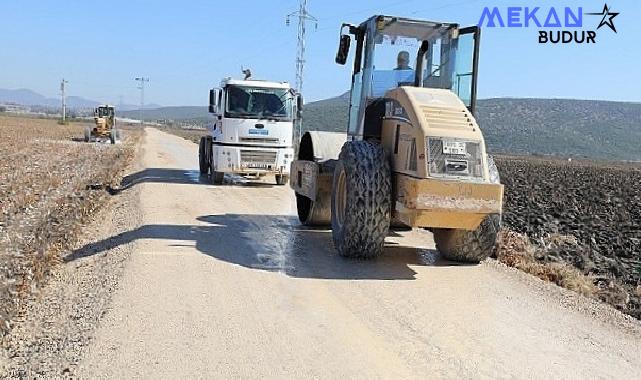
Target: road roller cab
x: 413, y: 152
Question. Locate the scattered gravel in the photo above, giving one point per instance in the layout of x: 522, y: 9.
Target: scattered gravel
x: 49, y: 337
x: 552, y: 294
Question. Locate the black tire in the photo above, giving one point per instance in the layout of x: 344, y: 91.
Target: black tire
x: 112, y: 136
x: 87, y: 134
x: 281, y: 179
x: 361, y: 200
x: 202, y: 158
x: 469, y: 246
x: 217, y: 178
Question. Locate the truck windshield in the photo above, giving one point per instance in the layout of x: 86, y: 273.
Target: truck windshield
x: 257, y: 102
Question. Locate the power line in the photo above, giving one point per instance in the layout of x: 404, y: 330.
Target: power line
x: 141, y: 87
x: 303, y: 17
x: 369, y: 10
x: 445, y: 6
x: 64, y: 100
x: 389, y: 8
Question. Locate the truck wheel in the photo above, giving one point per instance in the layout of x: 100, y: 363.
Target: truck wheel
x: 217, y: 178
x: 281, y: 179
x: 112, y: 136
x: 87, y: 134
x: 469, y: 246
x: 202, y: 158
x: 361, y: 200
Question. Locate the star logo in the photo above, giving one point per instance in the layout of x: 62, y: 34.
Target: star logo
x: 607, y: 18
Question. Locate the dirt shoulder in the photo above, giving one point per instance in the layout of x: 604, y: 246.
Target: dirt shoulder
x: 56, y: 321
x: 51, y: 185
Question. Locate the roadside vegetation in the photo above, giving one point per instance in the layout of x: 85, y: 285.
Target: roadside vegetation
x: 48, y: 190
x: 575, y: 223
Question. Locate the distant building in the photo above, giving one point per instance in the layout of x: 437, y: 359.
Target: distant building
x: 14, y: 108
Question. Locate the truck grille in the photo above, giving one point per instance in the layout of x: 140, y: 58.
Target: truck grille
x: 258, y: 158
x: 440, y: 164
x: 259, y: 140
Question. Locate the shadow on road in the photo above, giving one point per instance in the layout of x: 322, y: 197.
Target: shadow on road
x: 274, y: 243
x: 179, y: 176
x: 163, y: 175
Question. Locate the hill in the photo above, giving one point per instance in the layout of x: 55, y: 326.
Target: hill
x: 170, y: 113
x: 26, y: 97
x: 590, y: 128
x: 564, y: 127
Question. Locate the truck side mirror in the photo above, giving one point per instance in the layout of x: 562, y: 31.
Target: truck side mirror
x: 299, y: 106
x: 343, y: 49
x: 213, y: 103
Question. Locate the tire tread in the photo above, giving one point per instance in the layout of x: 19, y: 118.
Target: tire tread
x: 368, y: 211
x: 469, y: 246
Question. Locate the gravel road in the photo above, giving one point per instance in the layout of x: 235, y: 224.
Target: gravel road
x: 223, y: 282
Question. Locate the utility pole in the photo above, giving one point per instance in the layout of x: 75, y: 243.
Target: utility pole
x: 64, y: 100
x: 303, y: 17
x: 141, y: 87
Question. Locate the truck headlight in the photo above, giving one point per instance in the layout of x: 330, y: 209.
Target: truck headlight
x: 454, y: 157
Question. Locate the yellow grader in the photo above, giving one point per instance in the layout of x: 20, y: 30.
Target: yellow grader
x: 413, y: 153
x: 105, y: 126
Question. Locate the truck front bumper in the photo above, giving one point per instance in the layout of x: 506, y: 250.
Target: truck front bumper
x: 235, y: 159
x: 437, y: 203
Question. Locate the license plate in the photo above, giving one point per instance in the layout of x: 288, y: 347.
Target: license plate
x: 454, y: 147
x: 262, y: 132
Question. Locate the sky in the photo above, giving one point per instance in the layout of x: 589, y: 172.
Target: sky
x: 186, y: 47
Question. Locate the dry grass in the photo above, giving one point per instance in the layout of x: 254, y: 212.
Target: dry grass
x: 46, y: 197
x: 516, y: 250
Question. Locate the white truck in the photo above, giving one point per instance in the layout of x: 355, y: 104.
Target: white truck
x: 252, y: 130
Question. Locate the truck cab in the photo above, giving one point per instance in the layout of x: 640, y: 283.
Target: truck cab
x: 252, y: 130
